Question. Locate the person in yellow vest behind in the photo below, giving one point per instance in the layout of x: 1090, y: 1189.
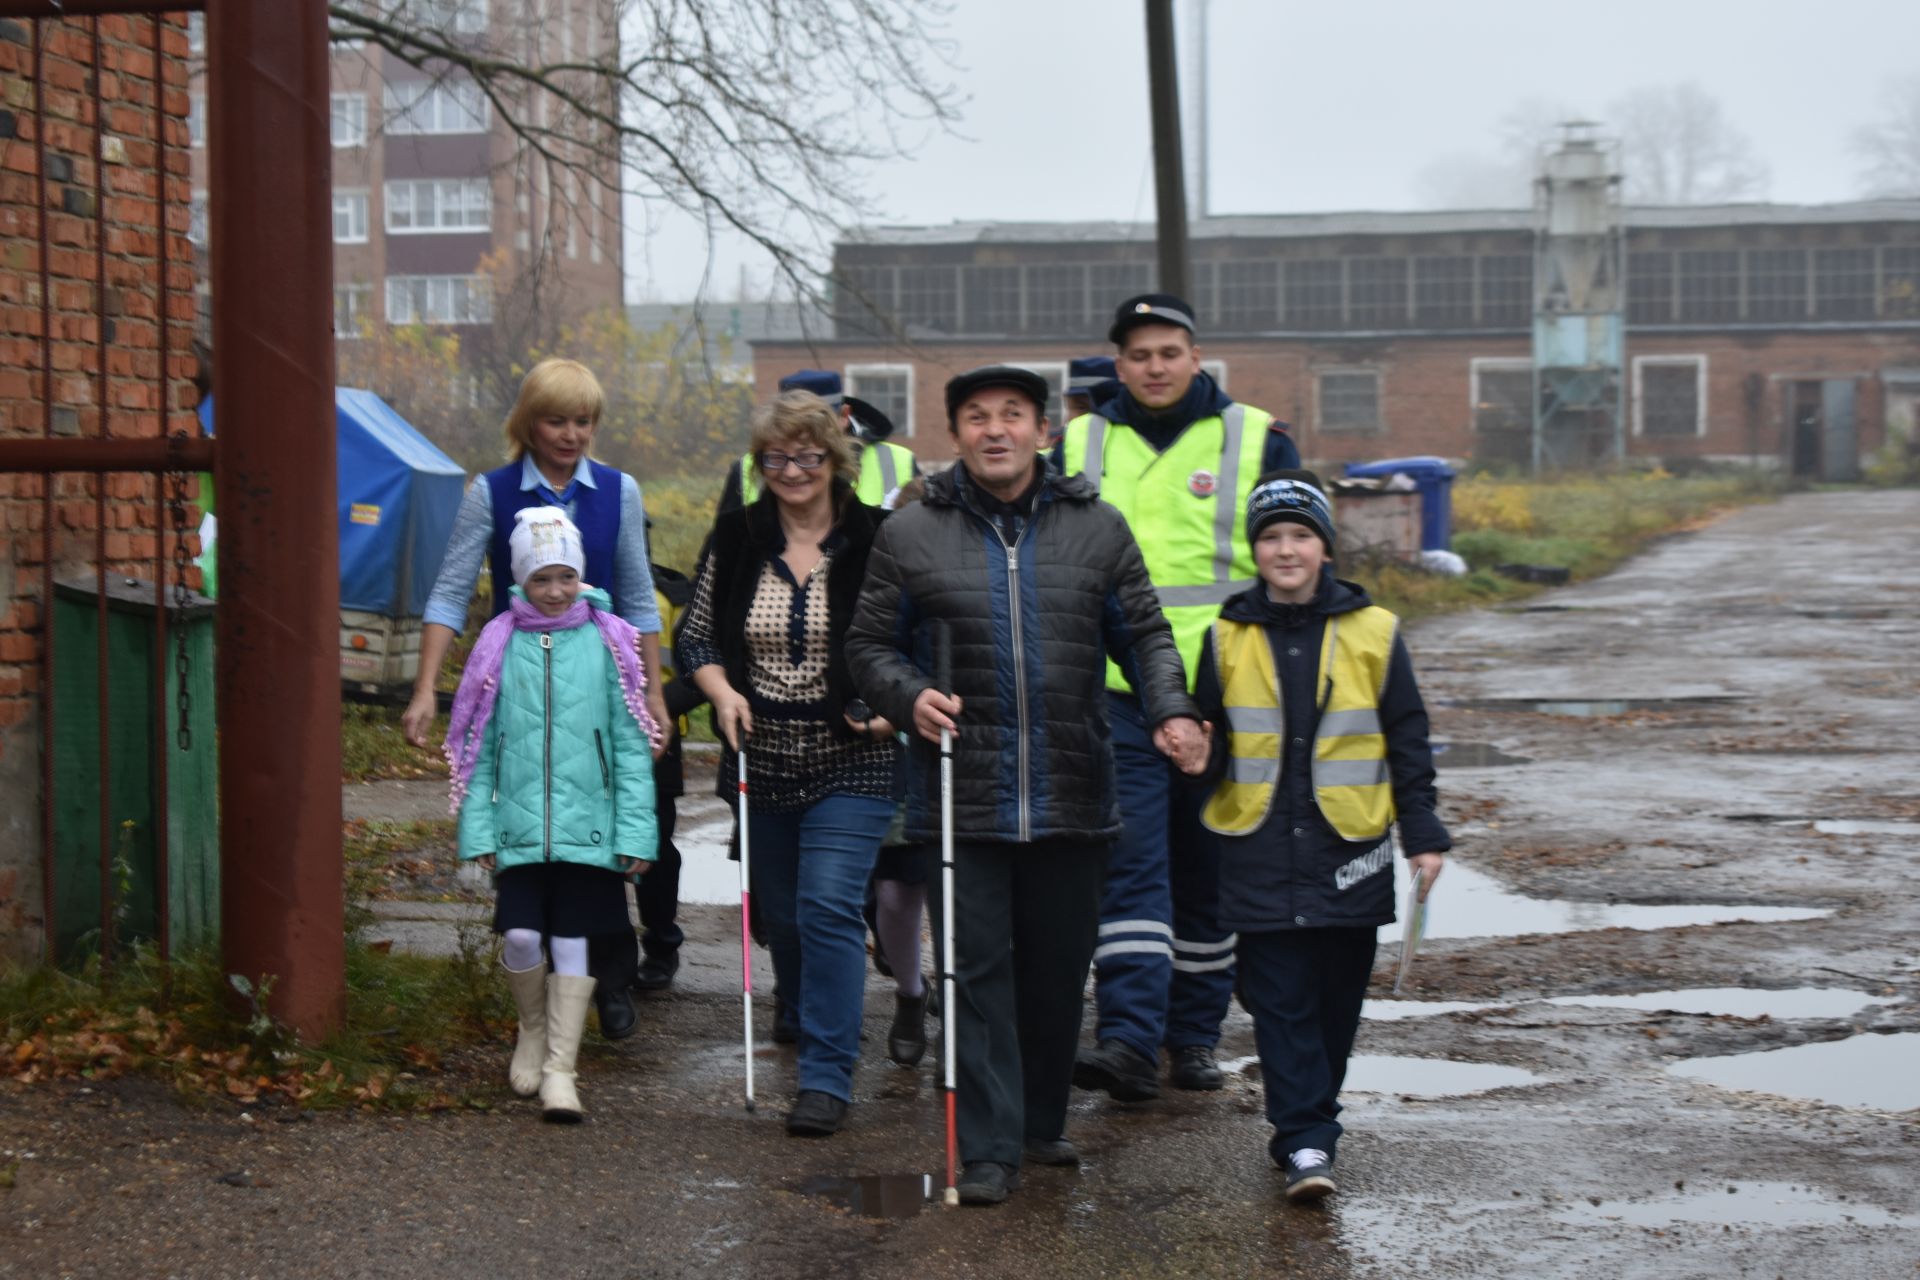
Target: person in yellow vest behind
x: 1319, y: 746
x: 885, y: 467
x: 1178, y: 457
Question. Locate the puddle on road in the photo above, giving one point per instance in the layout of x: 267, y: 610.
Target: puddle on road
x: 1471, y: 904
x: 1473, y: 755
x: 1833, y: 826
x: 886, y: 1195
x: 1594, y: 707
x: 1416, y: 1077
x: 1712, y: 1002
x: 1860, y: 1071
x: 1751, y: 1204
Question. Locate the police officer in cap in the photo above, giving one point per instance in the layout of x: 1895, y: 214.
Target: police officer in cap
x: 884, y: 467
x: 1178, y: 457
x: 1090, y: 381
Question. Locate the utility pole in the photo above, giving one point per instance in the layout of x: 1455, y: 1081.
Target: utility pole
x: 1170, y: 194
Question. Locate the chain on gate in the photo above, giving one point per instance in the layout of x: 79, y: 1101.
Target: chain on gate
x: 176, y: 482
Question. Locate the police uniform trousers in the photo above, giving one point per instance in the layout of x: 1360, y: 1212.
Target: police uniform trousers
x: 1165, y: 969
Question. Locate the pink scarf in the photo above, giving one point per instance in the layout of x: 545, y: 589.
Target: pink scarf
x: 480, y: 682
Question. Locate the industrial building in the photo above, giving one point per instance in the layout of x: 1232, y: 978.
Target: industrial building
x: 1787, y: 336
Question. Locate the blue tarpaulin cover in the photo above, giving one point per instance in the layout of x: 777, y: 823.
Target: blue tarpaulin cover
x: 398, y: 496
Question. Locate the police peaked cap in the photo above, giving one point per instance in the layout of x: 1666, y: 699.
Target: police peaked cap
x: 1150, y: 308
x: 1086, y: 373
x: 824, y: 383
x: 1025, y: 381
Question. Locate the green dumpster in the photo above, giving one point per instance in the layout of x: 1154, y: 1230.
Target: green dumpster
x: 192, y: 891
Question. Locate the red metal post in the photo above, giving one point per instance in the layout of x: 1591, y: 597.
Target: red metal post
x: 278, y: 621
x: 102, y: 399
x: 47, y: 481
x: 162, y: 740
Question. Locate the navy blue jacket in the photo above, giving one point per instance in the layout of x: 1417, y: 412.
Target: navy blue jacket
x: 1033, y: 617
x: 1288, y: 873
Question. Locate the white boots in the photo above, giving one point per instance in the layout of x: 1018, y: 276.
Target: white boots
x: 568, y: 998
x: 529, y: 987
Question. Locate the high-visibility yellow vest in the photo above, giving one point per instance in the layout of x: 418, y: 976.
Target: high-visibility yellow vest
x: 1186, y: 507
x: 1351, y: 781
x: 884, y: 468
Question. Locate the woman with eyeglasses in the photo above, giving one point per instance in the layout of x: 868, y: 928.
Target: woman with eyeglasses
x: 763, y: 640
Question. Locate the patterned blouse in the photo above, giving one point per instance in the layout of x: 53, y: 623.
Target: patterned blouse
x: 795, y: 757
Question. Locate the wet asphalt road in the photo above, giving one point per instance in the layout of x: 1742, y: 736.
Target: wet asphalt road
x: 1798, y: 620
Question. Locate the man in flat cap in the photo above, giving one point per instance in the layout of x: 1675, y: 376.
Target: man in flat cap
x: 1178, y: 457
x: 884, y: 466
x: 1036, y: 582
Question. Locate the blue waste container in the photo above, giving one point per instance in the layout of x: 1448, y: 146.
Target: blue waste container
x: 1434, y: 478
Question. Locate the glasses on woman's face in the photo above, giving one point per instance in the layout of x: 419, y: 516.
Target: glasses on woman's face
x: 775, y: 463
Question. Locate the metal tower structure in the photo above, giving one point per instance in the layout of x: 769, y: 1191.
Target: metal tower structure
x: 1579, y: 303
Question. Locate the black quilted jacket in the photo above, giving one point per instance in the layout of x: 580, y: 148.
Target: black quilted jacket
x: 1031, y: 627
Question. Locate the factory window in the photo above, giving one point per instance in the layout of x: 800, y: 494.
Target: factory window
x: 1443, y: 292
x: 1247, y: 295
x: 1709, y: 284
x: 1777, y: 284
x: 1900, y: 283
x: 1670, y: 395
x: 1349, y: 399
x: 993, y: 300
x: 1502, y: 392
x: 1650, y: 288
x: 1057, y: 300
x: 863, y: 301
x: 1377, y: 293
x: 888, y: 388
x: 1506, y: 291
x: 1843, y: 284
x: 928, y: 298
x: 1115, y: 282
x: 1056, y: 376
x: 1313, y: 292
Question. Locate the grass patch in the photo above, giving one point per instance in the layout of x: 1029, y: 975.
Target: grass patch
x: 681, y: 509
x: 1586, y: 525
x: 372, y: 746
x: 212, y: 1040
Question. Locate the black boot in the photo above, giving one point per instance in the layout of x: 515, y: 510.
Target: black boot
x: 615, y: 1006
x: 907, y: 1037
x: 786, y: 1022
x: 1194, y: 1067
x: 1120, y: 1070
x: 656, y: 972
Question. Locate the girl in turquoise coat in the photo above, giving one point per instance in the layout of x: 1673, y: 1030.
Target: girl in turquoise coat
x: 553, y: 784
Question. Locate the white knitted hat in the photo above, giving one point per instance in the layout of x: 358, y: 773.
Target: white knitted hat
x: 542, y: 536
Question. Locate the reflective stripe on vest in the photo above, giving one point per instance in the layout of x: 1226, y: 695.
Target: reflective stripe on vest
x: 1351, y: 781
x: 1186, y: 507
x: 875, y: 484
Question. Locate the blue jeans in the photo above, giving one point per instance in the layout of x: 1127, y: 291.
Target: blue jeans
x: 810, y: 871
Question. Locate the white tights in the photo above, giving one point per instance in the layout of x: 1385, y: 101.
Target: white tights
x: 521, y: 951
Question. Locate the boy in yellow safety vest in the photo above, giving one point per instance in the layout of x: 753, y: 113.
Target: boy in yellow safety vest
x: 1319, y: 748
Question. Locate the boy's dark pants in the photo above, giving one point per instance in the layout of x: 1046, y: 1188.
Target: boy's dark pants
x: 614, y: 958
x: 1304, y: 988
x: 1025, y: 920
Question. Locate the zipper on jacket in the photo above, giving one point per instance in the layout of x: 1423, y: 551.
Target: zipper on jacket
x: 606, y: 778
x: 546, y: 769
x: 1019, y: 663
x: 499, y: 748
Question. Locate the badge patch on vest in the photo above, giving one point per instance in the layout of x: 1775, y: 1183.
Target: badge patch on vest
x: 1201, y: 484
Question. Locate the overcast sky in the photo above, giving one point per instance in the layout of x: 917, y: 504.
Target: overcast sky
x: 1340, y: 104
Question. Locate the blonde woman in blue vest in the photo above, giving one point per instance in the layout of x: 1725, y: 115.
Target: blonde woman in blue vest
x: 1319, y: 747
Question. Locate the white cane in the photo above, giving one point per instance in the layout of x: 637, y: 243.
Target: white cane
x: 746, y: 939
x: 949, y: 1009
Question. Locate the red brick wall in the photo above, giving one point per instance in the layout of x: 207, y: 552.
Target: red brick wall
x: 1425, y: 384
x: 133, y: 399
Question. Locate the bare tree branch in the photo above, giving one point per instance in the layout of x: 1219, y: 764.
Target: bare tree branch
x: 1679, y: 148
x: 1889, y: 148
